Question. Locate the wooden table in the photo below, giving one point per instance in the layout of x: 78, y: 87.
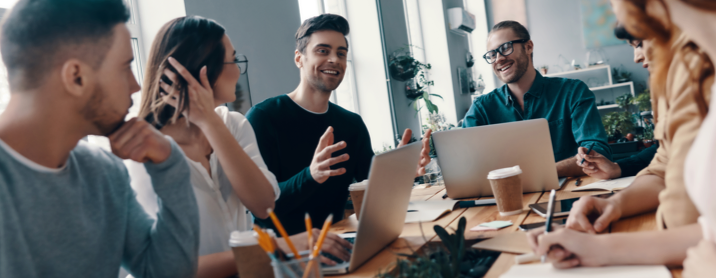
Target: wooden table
x: 414, y: 235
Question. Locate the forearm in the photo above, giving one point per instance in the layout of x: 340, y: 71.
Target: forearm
x: 247, y: 180
x: 297, y: 189
x: 641, y: 196
x: 217, y: 265
x: 569, y: 168
x: 666, y: 247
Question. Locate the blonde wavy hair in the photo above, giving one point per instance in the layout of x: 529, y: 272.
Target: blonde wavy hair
x: 663, y: 34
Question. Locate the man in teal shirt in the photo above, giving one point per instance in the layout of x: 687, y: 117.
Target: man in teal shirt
x: 567, y: 104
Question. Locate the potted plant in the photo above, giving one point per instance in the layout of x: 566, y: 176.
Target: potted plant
x: 620, y: 75
x: 403, y: 66
x: 644, y: 102
x: 452, y: 258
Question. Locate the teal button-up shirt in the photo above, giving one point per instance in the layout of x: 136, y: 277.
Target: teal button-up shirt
x: 567, y: 104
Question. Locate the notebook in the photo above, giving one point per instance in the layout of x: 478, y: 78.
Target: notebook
x: 510, y: 242
x: 548, y: 271
x: 608, y: 185
x: 428, y: 211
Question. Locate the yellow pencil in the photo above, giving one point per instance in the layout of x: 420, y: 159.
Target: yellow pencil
x: 309, y: 230
x: 319, y: 242
x: 283, y: 233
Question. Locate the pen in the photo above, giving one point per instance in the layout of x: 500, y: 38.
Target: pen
x: 469, y: 204
x: 588, y: 151
x: 550, y: 212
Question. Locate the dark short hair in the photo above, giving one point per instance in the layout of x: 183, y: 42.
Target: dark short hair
x: 621, y: 33
x: 37, y: 35
x: 319, y: 23
x: 194, y: 42
x: 516, y: 27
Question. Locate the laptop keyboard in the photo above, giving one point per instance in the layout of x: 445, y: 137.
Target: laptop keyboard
x: 336, y: 259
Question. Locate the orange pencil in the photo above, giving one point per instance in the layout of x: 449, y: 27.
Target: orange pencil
x: 317, y: 248
x: 309, y: 230
x: 283, y: 233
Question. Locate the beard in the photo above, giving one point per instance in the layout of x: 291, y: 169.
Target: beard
x: 100, y: 115
x: 324, y: 86
x: 520, y: 68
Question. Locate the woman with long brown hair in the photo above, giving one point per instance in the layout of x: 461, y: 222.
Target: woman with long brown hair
x: 679, y: 99
x: 192, y: 70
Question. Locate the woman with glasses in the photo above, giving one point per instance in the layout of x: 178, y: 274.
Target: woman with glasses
x: 192, y: 71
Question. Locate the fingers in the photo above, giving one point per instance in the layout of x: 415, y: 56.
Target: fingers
x: 184, y: 73
x: 603, y: 221
x: 204, y: 79
x: 407, y: 134
x: 568, y: 263
x: 578, y: 215
x: 333, y: 247
x: 119, y: 133
x: 327, y: 151
x: 323, y: 142
x: 327, y: 261
x: 582, y: 150
x: 558, y: 254
x: 333, y: 173
x: 532, y: 237
x: 334, y: 160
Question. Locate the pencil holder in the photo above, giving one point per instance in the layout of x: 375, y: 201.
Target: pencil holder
x: 297, y: 268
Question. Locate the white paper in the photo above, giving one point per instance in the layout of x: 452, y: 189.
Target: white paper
x: 428, y: 211
x: 608, y: 185
x: 548, y: 271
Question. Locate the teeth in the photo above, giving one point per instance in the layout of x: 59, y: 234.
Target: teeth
x: 330, y: 72
x: 505, y: 68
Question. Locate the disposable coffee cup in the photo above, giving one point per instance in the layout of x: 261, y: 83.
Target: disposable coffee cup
x: 251, y: 260
x: 357, y: 191
x: 507, y: 188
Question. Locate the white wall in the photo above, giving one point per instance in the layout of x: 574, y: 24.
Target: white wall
x: 153, y: 14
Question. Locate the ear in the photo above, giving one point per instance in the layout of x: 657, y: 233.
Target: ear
x: 74, y: 76
x: 297, y: 59
x: 529, y: 47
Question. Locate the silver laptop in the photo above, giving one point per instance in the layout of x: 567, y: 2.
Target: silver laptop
x: 467, y: 155
x: 385, y: 205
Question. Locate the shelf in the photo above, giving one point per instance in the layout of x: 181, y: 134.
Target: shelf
x: 608, y: 106
x: 594, y: 68
x: 630, y: 83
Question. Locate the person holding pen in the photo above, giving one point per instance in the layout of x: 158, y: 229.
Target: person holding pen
x: 192, y: 70
x: 680, y: 107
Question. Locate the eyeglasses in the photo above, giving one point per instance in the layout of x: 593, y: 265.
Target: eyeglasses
x: 241, y: 61
x: 505, y: 49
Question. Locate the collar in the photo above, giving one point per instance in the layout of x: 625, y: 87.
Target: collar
x: 535, y: 90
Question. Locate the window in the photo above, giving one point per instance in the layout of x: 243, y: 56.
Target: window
x: 5, y: 5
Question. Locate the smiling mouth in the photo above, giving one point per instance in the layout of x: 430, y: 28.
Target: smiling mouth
x: 331, y: 72
x: 506, y: 67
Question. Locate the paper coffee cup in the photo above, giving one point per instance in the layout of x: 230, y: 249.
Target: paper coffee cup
x: 251, y: 260
x: 357, y: 191
x: 507, y: 188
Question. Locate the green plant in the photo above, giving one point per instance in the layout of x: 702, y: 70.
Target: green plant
x: 403, y: 66
x: 625, y: 100
x: 617, y: 123
x: 644, y: 100
x: 451, y: 260
x: 620, y: 75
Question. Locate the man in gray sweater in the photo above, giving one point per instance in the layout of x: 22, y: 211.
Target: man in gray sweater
x: 66, y: 208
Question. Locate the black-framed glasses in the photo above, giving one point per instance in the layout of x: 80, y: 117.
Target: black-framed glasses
x: 505, y: 49
x: 241, y: 61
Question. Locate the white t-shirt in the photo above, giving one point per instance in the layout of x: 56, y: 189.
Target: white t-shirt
x: 220, y: 210
x: 700, y: 172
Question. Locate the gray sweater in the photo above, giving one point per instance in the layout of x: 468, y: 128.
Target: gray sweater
x: 83, y: 219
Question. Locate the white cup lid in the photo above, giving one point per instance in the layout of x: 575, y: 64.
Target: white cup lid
x: 504, y: 173
x: 241, y: 239
x: 358, y: 186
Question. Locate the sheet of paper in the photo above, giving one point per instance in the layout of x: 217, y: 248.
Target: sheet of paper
x: 608, y: 185
x: 428, y: 211
x: 548, y: 271
x: 515, y: 242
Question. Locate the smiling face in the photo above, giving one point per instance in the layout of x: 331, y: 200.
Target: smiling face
x: 510, y: 68
x: 113, y: 85
x: 323, y: 64
x: 225, y: 85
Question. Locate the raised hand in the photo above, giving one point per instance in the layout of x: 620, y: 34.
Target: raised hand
x: 322, y: 160
x: 200, y: 95
x: 596, y: 165
x: 139, y: 141
x: 424, y: 152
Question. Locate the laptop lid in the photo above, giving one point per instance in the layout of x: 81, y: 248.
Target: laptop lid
x: 385, y: 203
x: 467, y: 155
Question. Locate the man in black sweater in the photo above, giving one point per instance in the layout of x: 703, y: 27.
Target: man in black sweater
x: 315, y: 148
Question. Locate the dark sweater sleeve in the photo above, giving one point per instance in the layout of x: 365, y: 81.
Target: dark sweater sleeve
x: 632, y: 165
x: 296, y: 189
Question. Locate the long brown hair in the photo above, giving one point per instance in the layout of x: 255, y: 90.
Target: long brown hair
x: 664, y: 34
x: 193, y: 41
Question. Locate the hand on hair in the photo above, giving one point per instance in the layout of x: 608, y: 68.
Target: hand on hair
x: 322, y: 160
x: 200, y: 95
x: 424, y: 152
x: 139, y: 141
